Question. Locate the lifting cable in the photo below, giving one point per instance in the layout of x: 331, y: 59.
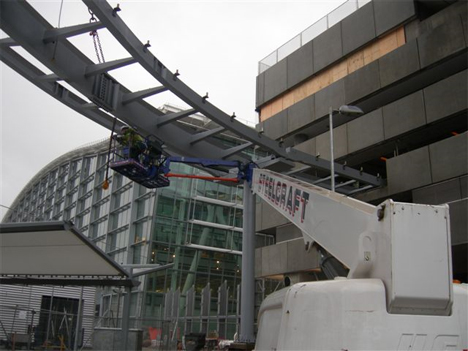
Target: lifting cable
x: 105, y: 185
x: 58, y: 26
x: 96, y: 40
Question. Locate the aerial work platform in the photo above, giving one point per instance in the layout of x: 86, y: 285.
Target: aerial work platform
x: 149, y: 177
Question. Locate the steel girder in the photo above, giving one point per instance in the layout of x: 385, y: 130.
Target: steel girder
x: 50, y: 46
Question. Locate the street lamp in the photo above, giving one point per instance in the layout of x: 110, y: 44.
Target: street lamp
x: 345, y: 110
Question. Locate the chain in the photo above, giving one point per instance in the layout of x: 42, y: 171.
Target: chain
x: 96, y: 40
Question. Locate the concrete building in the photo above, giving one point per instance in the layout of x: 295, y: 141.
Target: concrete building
x: 136, y: 225
x: 404, y: 63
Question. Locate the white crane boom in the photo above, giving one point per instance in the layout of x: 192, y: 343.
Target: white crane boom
x: 405, y: 245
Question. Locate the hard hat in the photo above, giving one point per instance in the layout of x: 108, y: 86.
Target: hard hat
x: 124, y: 128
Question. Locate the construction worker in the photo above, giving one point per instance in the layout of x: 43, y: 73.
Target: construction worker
x: 128, y: 137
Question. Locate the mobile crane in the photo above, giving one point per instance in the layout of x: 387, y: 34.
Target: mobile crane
x: 399, y: 293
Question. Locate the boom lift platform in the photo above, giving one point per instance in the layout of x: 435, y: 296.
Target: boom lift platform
x: 152, y: 169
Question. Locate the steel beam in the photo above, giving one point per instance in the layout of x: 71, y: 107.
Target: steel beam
x: 206, y: 134
x: 49, y: 77
x: 70, y: 63
x: 52, y: 35
x: 172, y: 117
x: 159, y: 71
x: 105, y: 67
x: 36, y: 76
x: 131, y: 97
x: 234, y: 150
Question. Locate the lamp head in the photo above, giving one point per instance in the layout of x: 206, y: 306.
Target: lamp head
x: 351, y: 111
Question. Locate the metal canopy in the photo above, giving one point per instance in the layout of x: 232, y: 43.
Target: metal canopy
x: 28, y: 29
x: 54, y: 253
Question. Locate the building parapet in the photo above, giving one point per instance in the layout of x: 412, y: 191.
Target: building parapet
x: 338, y: 14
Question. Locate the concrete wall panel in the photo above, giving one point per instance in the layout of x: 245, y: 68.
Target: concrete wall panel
x: 331, y: 96
x: 285, y: 257
x: 327, y: 47
x: 260, y: 96
x: 442, y: 42
x: 301, y: 113
x: 399, y: 63
x: 258, y: 263
x: 300, y: 64
x: 276, y: 126
x: 269, y: 218
x: 409, y: 171
x: 464, y: 19
x: 446, y: 97
x: 287, y: 232
x: 274, y: 259
x: 464, y: 187
x: 276, y: 80
x: 365, y: 131
x: 358, y: 28
x: 449, y: 158
x: 391, y: 13
x: 362, y: 82
x: 340, y: 139
x: 308, y: 146
x: 404, y: 115
x: 299, y: 258
x: 438, y: 194
x: 459, y: 222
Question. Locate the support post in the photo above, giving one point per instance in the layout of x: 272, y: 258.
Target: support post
x: 332, y: 157
x: 79, y: 317
x: 126, y: 313
x: 248, y: 268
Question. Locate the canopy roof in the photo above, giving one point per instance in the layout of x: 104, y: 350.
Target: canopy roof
x: 54, y: 253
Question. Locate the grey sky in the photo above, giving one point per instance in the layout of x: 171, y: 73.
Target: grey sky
x: 215, y: 45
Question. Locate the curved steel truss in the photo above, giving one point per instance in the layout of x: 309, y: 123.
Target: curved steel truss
x: 107, y: 98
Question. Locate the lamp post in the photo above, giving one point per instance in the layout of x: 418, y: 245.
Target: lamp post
x: 345, y: 110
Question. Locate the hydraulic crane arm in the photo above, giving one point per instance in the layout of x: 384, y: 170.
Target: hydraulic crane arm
x: 405, y: 245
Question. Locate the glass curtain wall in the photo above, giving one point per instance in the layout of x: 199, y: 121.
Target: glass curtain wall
x: 202, y: 213
x: 136, y: 225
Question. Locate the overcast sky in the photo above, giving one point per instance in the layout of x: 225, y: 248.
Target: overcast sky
x: 215, y: 45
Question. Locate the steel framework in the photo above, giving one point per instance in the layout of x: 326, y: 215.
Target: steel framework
x: 107, y: 99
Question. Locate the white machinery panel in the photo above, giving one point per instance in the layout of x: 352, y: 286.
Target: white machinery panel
x: 421, y: 269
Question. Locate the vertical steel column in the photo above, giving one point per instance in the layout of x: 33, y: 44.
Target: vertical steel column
x: 332, y: 156
x: 248, y: 268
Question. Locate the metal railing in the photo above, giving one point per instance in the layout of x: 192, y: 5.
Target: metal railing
x: 337, y: 15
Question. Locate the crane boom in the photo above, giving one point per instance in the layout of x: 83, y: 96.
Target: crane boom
x: 405, y: 245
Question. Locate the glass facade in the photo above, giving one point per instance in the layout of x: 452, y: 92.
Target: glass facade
x: 136, y: 225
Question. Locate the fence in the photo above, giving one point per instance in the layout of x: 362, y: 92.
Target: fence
x: 338, y: 14
x: 216, y: 317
